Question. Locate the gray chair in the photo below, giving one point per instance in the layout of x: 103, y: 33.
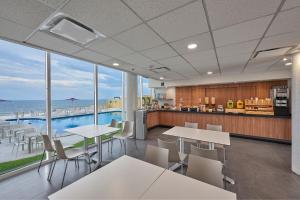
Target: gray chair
x: 157, y: 156
x: 126, y: 133
x: 48, y: 147
x: 221, y: 148
x: 67, y: 156
x: 206, y: 170
x: 20, y: 140
x: 114, y: 123
x: 174, y: 155
x: 190, y: 125
x: 206, y: 153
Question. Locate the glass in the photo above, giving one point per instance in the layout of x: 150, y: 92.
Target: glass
x: 22, y: 98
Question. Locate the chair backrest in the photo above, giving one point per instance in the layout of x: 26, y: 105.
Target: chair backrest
x: 114, y: 123
x: 47, y: 143
x: 128, y: 128
x: 157, y: 156
x: 206, y: 153
x: 214, y: 127
x: 60, y: 150
x: 190, y: 125
x: 206, y: 170
x: 171, y: 146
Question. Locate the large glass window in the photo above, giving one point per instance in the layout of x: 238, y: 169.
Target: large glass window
x: 110, y: 94
x: 22, y: 105
x: 144, y: 92
x: 72, y: 96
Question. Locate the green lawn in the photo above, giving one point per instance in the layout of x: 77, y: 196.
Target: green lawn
x: 17, y: 164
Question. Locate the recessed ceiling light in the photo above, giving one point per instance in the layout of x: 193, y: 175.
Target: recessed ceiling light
x: 116, y: 64
x: 192, y: 46
x: 161, y: 78
x: 209, y: 73
x: 284, y: 59
x: 288, y: 64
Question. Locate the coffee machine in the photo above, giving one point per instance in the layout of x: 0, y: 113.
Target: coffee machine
x: 280, y: 96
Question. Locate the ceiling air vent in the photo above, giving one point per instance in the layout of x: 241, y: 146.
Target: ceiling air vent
x: 67, y: 28
x: 268, y: 53
x: 160, y: 69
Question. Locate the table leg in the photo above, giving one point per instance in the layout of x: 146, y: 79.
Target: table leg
x: 181, y: 145
x: 211, y: 146
x: 85, y: 144
x: 99, y: 146
x: 29, y: 145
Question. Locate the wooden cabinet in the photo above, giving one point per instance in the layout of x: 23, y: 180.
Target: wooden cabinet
x: 152, y: 119
x: 264, y: 127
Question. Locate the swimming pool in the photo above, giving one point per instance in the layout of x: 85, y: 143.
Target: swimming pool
x: 60, y: 124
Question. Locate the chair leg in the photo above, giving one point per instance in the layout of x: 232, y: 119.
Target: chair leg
x: 125, y: 146
x: 89, y: 163
x: 111, y: 145
x: 41, y: 160
x: 51, y: 170
x: 66, y: 166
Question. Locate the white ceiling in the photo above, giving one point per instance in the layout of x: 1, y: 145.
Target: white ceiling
x: 144, y: 34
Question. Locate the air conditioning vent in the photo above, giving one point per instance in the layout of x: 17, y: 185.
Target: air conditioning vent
x: 67, y: 28
x: 160, y: 69
x: 268, y: 53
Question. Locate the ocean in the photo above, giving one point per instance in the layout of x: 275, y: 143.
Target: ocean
x: 13, y: 106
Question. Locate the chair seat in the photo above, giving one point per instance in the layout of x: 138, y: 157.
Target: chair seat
x: 73, y: 153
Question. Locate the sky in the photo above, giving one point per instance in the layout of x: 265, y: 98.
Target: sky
x: 22, y: 76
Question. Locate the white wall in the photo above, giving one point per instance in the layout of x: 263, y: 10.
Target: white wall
x: 227, y: 78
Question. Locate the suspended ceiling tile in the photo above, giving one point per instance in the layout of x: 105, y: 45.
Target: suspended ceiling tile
x: 285, y: 22
x: 171, y: 75
x: 202, y: 59
x: 13, y: 31
x: 233, y: 70
x: 232, y: 61
x: 149, y: 9
x: 259, y: 66
x: 106, y: 16
x: 91, y: 56
x: 136, y: 59
x: 181, y: 23
x: 139, y: 38
x: 178, y: 64
x: 109, y: 47
x: 159, y: 52
x: 202, y: 40
x: 242, y: 32
x: 283, y: 40
x: 236, y: 49
x: 290, y: 4
x: 52, y: 3
x: 50, y: 42
x: 223, y: 13
x: 28, y: 13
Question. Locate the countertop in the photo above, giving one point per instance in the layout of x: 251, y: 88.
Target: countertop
x: 222, y: 113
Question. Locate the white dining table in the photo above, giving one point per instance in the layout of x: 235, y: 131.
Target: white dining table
x: 93, y: 131
x: 212, y: 137
x: 130, y: 178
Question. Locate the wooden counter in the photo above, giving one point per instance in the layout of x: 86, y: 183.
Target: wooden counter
x: 270, y: 127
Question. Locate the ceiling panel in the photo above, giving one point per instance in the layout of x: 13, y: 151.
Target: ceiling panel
x: 290, y: 4
x: 91, y: 55
x: 160, y: 52
x: 283, y: 40
x: 202, y: 40
x: 236, y: 49
x: 13, y: 31
x: 109, y: 47
x: 50, y: 42
x: 241, y: 32
x: 149, y: 9
x: 181, y: 23
x: 178, y: 64
x: 24, y: 12
x: 52, y: 3
x: 106, y: 16
x: 139, y: 38
x: 223, y: 13
x: 171, y: 75
x: 234, y: 70
x: 232, y: 61
x: 259, y: 66
x: 203, y: 60
x: 285, y: 22
x: 137, y: 59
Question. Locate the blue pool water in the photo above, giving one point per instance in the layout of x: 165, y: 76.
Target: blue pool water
x: 60, y: 124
